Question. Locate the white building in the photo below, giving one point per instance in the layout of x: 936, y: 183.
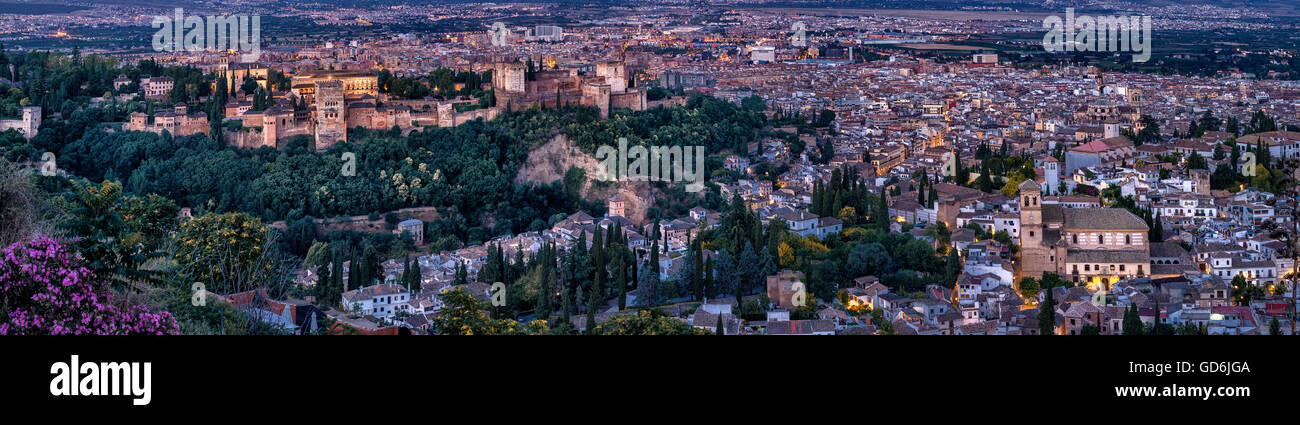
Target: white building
x: 1189, y: 205
x: 548, y: 33
x: 379, y: 300
x: 1227, y: 266
x: 156, y: 87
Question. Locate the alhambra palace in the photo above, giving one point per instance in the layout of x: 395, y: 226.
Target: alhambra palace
x: 341, y: 99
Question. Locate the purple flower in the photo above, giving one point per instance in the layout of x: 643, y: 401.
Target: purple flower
x: 49, y: 292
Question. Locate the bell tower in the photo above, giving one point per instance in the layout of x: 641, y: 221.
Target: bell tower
x: 1031, y: 209
x: 1051, y: 176
x: 1034, y: 257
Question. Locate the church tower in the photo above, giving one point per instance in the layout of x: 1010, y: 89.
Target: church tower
x: 1031, y: 213
x: 1035, y: 258
x: 1051, y: 176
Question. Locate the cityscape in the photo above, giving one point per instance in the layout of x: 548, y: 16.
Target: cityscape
x: 666, y: 167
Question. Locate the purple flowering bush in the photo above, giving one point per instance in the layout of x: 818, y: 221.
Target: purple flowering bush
x: 45, y: 290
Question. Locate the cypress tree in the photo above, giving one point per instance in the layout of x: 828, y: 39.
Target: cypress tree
x: 354, y: 273
x: 594, y: 302
x: 1047, y: 315
x: 697, y: 272
x: 1155, y: 327
x: 747, y: 272
x: 726, y: 273
x: 323, y: 282
x: 920, y: 194
x: 816, y: 205
x: 501, y: 264
x: 517, y: 269
x: 836, y: 206
x: 462, y: 274
x: 546, y: 294
x: 598, y: 259
x: 880, y: 212
x: 337, y: 289
x: 620, y: 277
x: 406, y: 276
x: 962, y: 175
x: 1157, y: 229
x: 654, y: 252
x: 710, y: 284
x: 566, y: 284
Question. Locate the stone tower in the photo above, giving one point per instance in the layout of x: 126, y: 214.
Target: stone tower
x: 31, y: 121
x: 614, y: 74
x: 331, y: 121
x: 1034, y: 256
x: 446, y: 115
x: 617, y: 207
x: 269, y: 130
x: 598, y: 95
x: 509, y: 77
x: 1111, y: 129
x: 1202, y: 177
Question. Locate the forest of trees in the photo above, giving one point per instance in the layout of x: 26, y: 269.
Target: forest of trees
x: 469, y: 170
x: 441, y: 83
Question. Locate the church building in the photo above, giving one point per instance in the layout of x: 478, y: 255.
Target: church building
x: 1093, y: 246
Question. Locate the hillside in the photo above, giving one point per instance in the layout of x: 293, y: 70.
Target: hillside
x: 548, y: 162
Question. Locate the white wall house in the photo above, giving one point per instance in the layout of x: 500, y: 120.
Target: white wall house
x: 1258, y: 272
x: 381, y: 301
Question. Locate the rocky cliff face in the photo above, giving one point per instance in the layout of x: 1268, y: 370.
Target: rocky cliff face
x: 548, y: 162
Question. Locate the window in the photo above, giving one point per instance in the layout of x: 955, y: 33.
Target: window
x: 1087, y: 267
x: 1121, y: 267
x: 1128, y: 239
x: 1075, y: 238
x: 1100, y: 240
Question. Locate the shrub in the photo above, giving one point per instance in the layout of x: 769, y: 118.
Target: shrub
x: 46, y: 290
